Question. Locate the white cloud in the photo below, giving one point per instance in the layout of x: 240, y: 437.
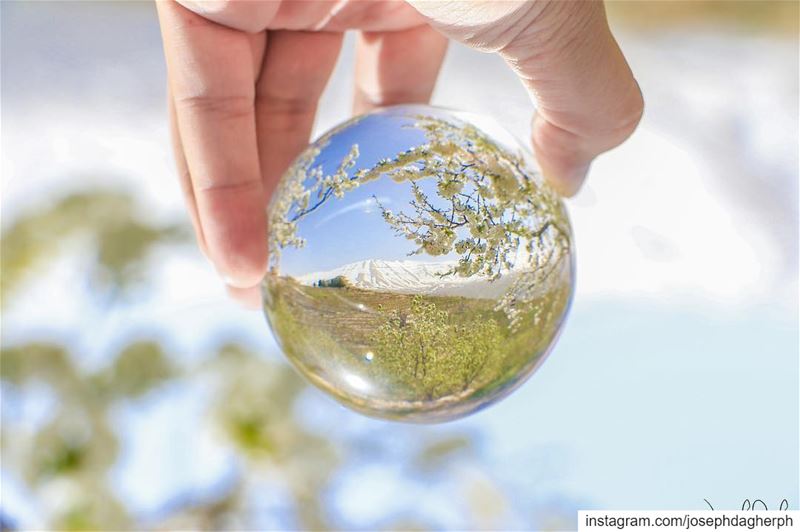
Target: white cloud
x: 367, y: 206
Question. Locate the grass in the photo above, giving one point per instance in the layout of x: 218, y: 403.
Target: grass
x: 404, y: 356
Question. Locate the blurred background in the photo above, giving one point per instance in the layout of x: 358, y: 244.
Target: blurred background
x: 136, y: 395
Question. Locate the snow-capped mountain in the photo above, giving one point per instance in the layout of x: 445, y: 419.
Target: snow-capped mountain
x: 409, y: 276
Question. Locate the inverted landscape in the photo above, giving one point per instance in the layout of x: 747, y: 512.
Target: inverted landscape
x: 474, y: 303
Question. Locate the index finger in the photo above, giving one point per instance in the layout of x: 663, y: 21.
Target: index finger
x: 212, y: 71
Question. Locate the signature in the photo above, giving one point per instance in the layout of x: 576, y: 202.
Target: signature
x: 757, y: 504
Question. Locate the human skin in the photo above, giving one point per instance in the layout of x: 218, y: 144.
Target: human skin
x: 245, y: 78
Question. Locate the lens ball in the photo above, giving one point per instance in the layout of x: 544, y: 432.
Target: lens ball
x: 420, y: 268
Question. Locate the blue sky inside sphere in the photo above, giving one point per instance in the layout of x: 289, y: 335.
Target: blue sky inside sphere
x: 351, y: 228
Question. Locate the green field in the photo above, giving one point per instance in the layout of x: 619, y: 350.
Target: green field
x: 401, y: 354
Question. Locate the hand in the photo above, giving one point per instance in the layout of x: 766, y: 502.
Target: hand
x: 245, y: 78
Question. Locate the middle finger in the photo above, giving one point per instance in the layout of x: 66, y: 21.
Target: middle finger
x: 297, y: 66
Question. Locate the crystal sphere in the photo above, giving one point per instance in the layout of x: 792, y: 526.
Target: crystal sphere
x: 420, y: 268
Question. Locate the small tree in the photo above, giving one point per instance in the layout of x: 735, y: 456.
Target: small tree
x: 340, y: 281
x: 424, y: 348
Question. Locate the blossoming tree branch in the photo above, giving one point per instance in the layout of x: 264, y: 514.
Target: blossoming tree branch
x: 496, y: 216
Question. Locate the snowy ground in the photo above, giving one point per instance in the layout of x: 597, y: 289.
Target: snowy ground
x: 676, y: 378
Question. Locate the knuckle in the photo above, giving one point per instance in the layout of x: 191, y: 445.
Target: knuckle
x: 390, y: 96
x: 227, y: 187
x: 549, y: 31
x: 291, y: 105
x: 217, y: 107
x: 284, y: 112
x: 630, y: 114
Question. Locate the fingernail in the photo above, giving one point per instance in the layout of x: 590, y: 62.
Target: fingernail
x: 567, y: 183
x: 249, y: 298
x: 235, y: 282
x: 203, y: 7
x: 576, y: 178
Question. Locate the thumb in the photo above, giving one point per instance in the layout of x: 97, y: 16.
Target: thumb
x: 567, y: 58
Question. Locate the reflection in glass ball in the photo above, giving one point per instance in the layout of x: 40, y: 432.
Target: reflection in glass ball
x: 419, y: 268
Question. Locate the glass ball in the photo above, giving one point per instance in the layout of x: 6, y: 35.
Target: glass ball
x: 420, y: 268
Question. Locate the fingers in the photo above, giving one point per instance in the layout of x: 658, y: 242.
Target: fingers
x: 397, y: 67
x: 297, y: 66
x: 588, y: 99
x: 212, y: 78
x: 184, y: 178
